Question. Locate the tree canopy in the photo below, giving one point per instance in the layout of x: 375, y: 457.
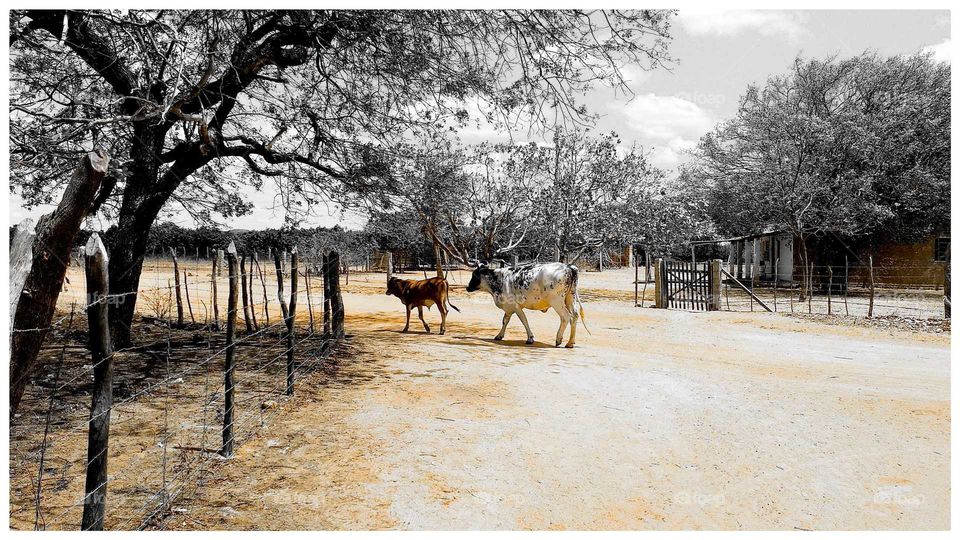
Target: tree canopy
x: 849, y: 147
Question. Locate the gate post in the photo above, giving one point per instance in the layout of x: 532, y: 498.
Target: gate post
x: 659, y: 279
x: 715, y: 285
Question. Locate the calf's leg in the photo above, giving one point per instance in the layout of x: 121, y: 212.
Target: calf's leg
x: 503, y: 329
x: 526, y: 325
x: 407, y: 326
x: 425, y: 325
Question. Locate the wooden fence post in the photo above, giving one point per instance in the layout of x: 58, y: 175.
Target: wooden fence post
x: 213, y: 289
x: 283, y: 301
x: 101, y: 352
x: 263, y: 285
x: 870, y: 308
x: 389, y: 266
x: 176, y: 284
x: 253, y: 303
x: 715, y: 284
x: 830, y: 290
x: 659, y: 292
x: 325, y: 270
x: 186, y: 289
x: 336, y: 300
x: 846, y: 282
x: 946, y: 290
x: 291, y: 321
x: 776, y: 281
x: 636, y: 280
x: 306, y: 279
x: 244, y: 296
x: 228, y: 364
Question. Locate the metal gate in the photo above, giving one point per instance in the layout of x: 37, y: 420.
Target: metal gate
x: 687, y: 285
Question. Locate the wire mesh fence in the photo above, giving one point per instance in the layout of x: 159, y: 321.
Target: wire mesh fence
x: 167, y: 428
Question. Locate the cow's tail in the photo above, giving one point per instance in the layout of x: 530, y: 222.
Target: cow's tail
x: 446, y: 296
x: 576, y: 297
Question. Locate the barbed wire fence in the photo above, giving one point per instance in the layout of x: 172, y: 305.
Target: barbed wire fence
x: 217, y: 353
x: 856, y: 290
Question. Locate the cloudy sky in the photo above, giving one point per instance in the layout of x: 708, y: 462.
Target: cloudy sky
x: 717, y: 54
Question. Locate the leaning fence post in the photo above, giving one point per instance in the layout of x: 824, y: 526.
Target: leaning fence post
x: 101, y: 352
x: 870, y: 308
x: 306, y: 279
x: 186, y: 289
x: 946, y: 290
x: 176, y: 283
x: 228, y: 364
x: 291, y: 321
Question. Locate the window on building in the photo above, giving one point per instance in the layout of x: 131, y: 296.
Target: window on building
x: 941, y: 249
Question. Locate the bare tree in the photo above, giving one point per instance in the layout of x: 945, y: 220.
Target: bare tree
x: 305, y: 98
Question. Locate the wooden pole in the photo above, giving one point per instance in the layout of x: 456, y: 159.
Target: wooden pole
x: 291, y: 320
x: 326, y: 294
x: 636, y: 284
x: 228, y: 364
x: 263, y: 284
x: 101, y: 353
x: 389, y: 266
x: 810, y: 288
x: 186, y: 289
x: 253, y: 303
x: 306, y: 276
x: 658, y: 284
x: 716, y: 279
x: 176, y: 284
x: 283, y: 301
x: 846, y: 282
x: 244, y: 297
x: 336, y: 300
x: 213, y: 289
x: 870, y: 308
x: 830, y: 290
x: 776, y: 279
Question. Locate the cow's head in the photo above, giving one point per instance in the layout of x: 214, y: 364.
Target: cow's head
x: 480, y: 279
x: 394, y: 287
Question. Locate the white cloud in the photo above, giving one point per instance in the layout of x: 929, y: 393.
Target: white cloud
x: 729, y: 23
x: 666, y: 124
x: 663, y: 118
x: 941, y: 51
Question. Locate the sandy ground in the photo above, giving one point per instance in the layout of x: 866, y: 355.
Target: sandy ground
x: 660, y: 419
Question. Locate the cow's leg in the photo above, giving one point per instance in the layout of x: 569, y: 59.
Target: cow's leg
x: 443, y: 318
x: 425, y: 325
x: 565, y: 316
x: 407, y: 326
x: 574, y: 316
x: 503, y: 329
x: 526, y: 325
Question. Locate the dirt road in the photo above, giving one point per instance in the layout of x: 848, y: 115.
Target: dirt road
x: 660, y: 419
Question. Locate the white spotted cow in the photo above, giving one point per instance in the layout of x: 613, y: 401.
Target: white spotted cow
x: 532, y: 286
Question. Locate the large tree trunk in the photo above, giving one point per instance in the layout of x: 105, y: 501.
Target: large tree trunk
x: 56, y: 233
x: 141, y: 204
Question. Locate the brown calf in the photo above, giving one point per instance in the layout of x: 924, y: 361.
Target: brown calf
x: 417, y: 293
